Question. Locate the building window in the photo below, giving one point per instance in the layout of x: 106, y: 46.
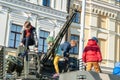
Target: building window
x: 14, y: 38
x: 117, y: 2
x: 46, y: 3
x: 42, y: 41
x: 74, y: 50
x: 102, y: 22
x: 77, y: 18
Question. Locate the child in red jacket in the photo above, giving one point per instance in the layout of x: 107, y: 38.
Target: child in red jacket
x: 92, y: 55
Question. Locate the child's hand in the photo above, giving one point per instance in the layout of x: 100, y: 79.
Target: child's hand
x: 21, y: 44
x: 36, y: 49
x: 66, y: 58
x: 84, y: 64
x: 99, y: 63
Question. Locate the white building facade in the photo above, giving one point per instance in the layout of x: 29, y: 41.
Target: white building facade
x: 102, y: 20
x: 45, y: 15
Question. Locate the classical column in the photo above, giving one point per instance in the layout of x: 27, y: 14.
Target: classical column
x: 111, y: 50
x: 40, y: 2
x: 58, y: 4
x: 52, y: 3
x: 4, y: 19
x: 111, y: 43
x: 94, y: 20
x: 7, y: 13
x: 93, y: 25
x: 64, y: 5
x: 111, y: 25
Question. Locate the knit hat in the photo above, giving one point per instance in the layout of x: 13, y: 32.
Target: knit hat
x: 50, y: 39
x: 96, y: 39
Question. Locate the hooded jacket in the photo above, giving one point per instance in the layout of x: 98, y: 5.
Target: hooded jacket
x: 92, y: 52
x: 63, y: 49
x: 32, y: 36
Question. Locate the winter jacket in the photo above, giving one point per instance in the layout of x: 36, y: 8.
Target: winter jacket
x: 116, y: 69
x: 64, y: 49
x: 32, y: 36
x: 92, y: 52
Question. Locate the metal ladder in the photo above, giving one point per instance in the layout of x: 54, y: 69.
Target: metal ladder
x: 50, y: 52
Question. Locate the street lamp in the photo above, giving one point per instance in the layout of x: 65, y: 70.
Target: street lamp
x: 82, y: 25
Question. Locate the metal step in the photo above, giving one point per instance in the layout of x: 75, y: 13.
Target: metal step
x: 85, y: 75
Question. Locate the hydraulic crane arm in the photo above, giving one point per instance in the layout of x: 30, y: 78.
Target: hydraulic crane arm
x: 59, y: 36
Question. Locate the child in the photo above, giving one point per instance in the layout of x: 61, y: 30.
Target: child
x: 29, y: 33
x: 92, y: 55
x: 63, y: 52
x: 29, y: 37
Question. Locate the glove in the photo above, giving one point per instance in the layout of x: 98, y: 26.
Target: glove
x: 66, y: 58
x: 36, y: 49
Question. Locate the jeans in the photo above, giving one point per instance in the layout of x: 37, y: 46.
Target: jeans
x: 26, y: 44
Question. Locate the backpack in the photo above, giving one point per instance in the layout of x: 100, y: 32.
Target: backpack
x: 116, y: 69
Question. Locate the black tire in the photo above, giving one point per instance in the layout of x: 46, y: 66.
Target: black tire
x: 11, y: 67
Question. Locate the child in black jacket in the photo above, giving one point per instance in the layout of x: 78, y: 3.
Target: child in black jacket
x: 29, y: 36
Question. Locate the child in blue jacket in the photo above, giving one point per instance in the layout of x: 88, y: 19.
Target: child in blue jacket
x: 62, y: 52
